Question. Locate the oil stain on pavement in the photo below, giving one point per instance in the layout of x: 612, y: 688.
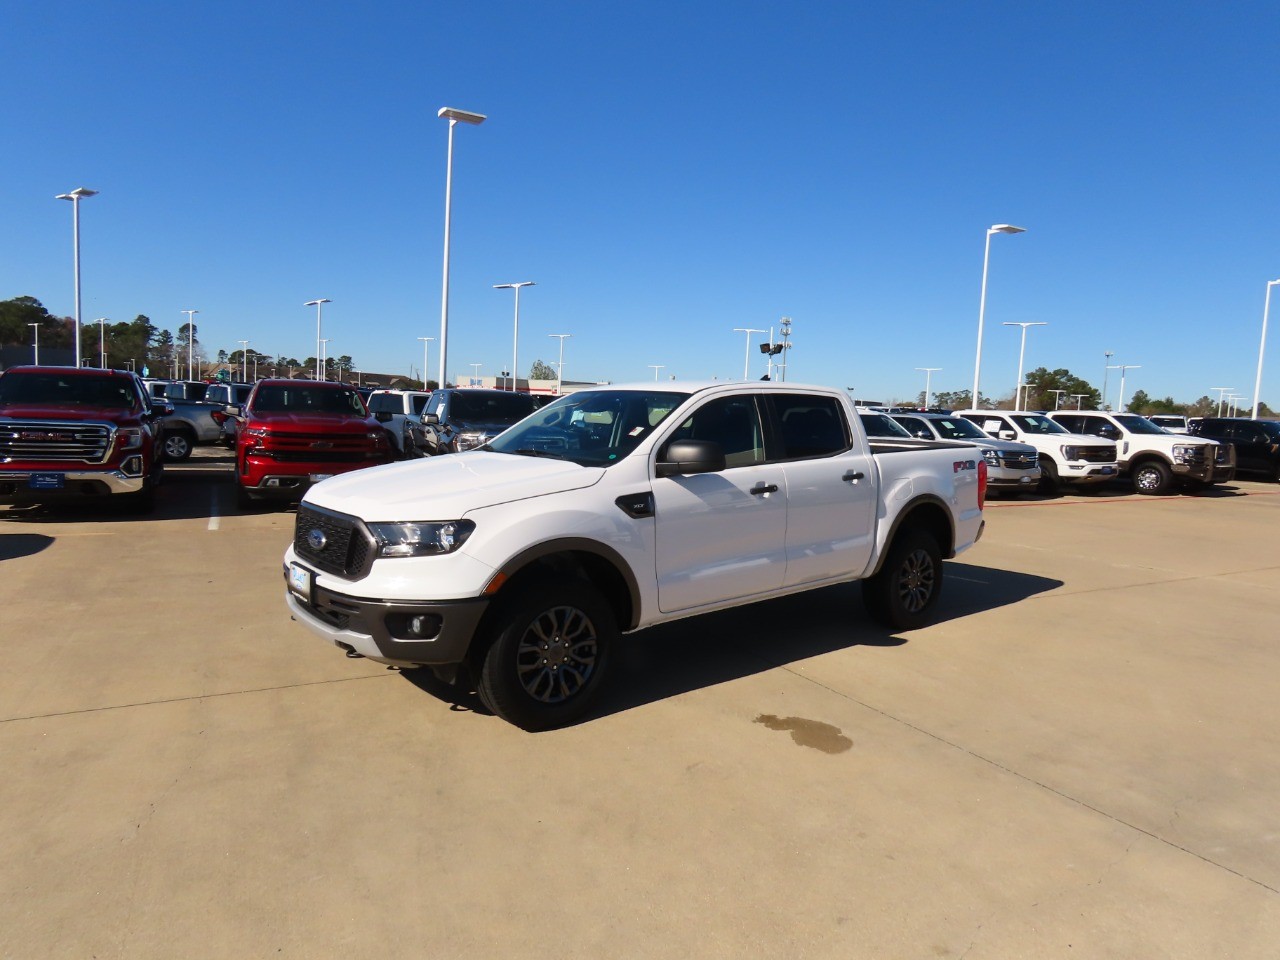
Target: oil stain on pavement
x: 809, y: 733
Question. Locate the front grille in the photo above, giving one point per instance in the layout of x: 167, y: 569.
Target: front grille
x: 54, y: 440
x: 345, y: 550
x: 1098, y: 454
x: 327, y: 456
x: 1198, y: 458
x: 285, y: 442
x: 1019, y: 461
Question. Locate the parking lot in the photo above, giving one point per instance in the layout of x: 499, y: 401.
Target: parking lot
x: 1079, y: 759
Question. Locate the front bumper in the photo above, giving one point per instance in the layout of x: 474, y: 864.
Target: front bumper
x: 1004, y: 478
x: 1088, y: 472
x: 15, y: 485
x: 369, y: 627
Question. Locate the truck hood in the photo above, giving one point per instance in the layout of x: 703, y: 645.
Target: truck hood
x: 338, y: 423
x: 447, y: 487
x: 69, y: 411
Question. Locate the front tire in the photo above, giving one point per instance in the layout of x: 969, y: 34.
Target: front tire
x: 1152, y: 478
x: 177, y: 446
x: 1050, y: 482
x: 903, y: 594
x: 551, y: 646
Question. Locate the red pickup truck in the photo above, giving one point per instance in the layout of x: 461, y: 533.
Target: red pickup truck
x: 293, y: 433
x: 67, y: 434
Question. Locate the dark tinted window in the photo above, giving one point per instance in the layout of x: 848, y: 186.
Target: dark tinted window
x: 883, y: 426
x: 88, y: 391
x: 733, y: 423
x: 916, y: 427
x: 489, y: 407
x: 308, y: 399
x: 1070, y: 422
x: 811, y: 426
x: 385, y: 403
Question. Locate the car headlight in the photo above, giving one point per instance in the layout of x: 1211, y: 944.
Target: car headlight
x: 420, y: 539
x: 1183, y: 452
x: 258, y: 432
x: 130, y: 438
x: 466, y: 441
x: 991, y: 456
x: 1071, y: 453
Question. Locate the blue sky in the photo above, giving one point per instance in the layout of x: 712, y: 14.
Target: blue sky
x: 665, y: 172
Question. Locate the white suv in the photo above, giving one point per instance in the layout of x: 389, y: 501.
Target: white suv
x: 1065, y: 458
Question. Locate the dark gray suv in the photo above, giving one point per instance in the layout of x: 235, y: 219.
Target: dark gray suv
x: 461, y: 418
x: 1257, y: 442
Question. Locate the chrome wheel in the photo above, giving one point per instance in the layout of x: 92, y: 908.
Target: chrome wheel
x: 556, y: 656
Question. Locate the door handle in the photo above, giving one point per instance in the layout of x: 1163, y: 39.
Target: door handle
x: 760, y: 489
x: 855, y: 477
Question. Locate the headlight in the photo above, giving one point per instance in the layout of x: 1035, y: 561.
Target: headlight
x: 130, y: 438
x: 992, y: 458
x: 465, y: 441
x: 256, y: 432
x: 1183, y: 452
x: 420, y: 539
x: 1071, y: 453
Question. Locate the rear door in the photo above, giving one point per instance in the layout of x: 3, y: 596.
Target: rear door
x: 831, y: 496
x: 721, y: 536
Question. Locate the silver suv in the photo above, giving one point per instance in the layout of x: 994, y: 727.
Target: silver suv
x: 1010, y: 465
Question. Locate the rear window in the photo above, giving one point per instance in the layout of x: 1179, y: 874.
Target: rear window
x: 493, y: 407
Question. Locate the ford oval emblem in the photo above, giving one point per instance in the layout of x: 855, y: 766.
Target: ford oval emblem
x: 316, y: 539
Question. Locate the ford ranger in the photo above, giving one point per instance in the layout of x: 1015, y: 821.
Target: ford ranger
x: 515, y: 566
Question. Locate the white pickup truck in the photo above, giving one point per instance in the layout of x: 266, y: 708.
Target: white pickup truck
x: 515, y: 566
x: 1065, y: 458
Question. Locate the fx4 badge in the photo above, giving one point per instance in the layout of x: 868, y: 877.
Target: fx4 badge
x: 963, y: 465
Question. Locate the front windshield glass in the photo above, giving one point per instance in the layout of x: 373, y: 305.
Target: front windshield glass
x: 68, y: 389
x: 1040, y: 425
x: 1136, y: 424
x: 883, y: 426
x: 595, y: 428
x: 958, y: 429
x: 307, y: 398
x: 489, y: 406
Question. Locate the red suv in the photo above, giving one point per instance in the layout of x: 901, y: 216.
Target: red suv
x: 293, y: 433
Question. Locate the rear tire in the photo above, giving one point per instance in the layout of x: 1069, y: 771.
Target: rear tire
x: 903, y: 594
x: 551, y: 646
x: 178, y: 446
x: 1152, y: 478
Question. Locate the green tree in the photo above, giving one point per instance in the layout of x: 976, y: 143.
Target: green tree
x: 1041, y: 384
x: 1138, y: 403
x: 542, y: 371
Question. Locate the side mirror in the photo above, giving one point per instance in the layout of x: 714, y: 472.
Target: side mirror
x: 1007, y: 435
x: 162, y: 408
x: 684, y: 457
x: 431, y: 418
x: 923, y: 434
x: 383, y: 416
x: 234, y: 410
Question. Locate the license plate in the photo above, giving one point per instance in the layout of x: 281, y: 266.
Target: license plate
x: 317, y: 477
x: 47, y: 481
x: 300, y: 581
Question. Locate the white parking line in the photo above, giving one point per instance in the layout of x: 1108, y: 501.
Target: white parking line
x: 214, y: 519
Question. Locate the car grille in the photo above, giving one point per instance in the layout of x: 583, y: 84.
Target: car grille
x: 324, y: 447
x: 1199, y: 456
x: 1019, y: 461
x: 1098, y: 454
x: 345, y: 548
x: 54, y: 440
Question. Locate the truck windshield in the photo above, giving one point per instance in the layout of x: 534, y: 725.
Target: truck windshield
x: 958, y: 429
x: 592, y: 427
x: 1136, y: 424
x: 61, y: 389
x: 307, y: 399
x: 1041, y: 425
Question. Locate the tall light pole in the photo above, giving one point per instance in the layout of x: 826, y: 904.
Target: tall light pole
x: 1108, y: 354
x: 102, y: 342
x: 319, y: 305
x: 746, y: 362
x: 1124, y: 368
x: 35, y: 329
x: 1235, y: 399
x: 982, y: 302
x: 324, y: 364
x: 656, y: 367
x: 1057, y: 398
x: 475, y: 373
x: 1222, y: 393
x: 1078, y: 398
x: 454, y: 117
x: 1022, y: 351
x: 426, y: 345
x: 515, y: 341
x: 560, y: 366
x: 191, y: 336
x: 928, y: 376
x: 75, y: 196
x: 244, y: 360
x: 1257, y: 384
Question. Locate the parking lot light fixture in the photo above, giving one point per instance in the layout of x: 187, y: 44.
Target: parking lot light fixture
x: 475, y: 373
x: 982, y: 302
x: 324, y: 362
x: 35, y: 343
x: 1057, y: 398
x: 656, y: 367
x: 560, y: 366
x: 319, y: 305
x: 244, y: 361
x: 1257, y: 384
x: 1107, y: 354
x: 1078, y: 398
x: 746, y: 363
x: 75, y: 196
x: 515, y: 342
x: 426, y: 345
x: 454, y: 117
x: 1222, y: 393
x: 191, y: 336
x: 1124, y: 368
x: 1022, y: 353
x: 928, y: 376
x: 102, y: 342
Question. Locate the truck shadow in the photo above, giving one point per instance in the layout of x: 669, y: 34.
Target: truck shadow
x: 668, y: 660
x: 15, y: 545
x: 184, y: 495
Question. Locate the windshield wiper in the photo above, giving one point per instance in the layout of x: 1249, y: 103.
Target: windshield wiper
x: 530, y: 452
